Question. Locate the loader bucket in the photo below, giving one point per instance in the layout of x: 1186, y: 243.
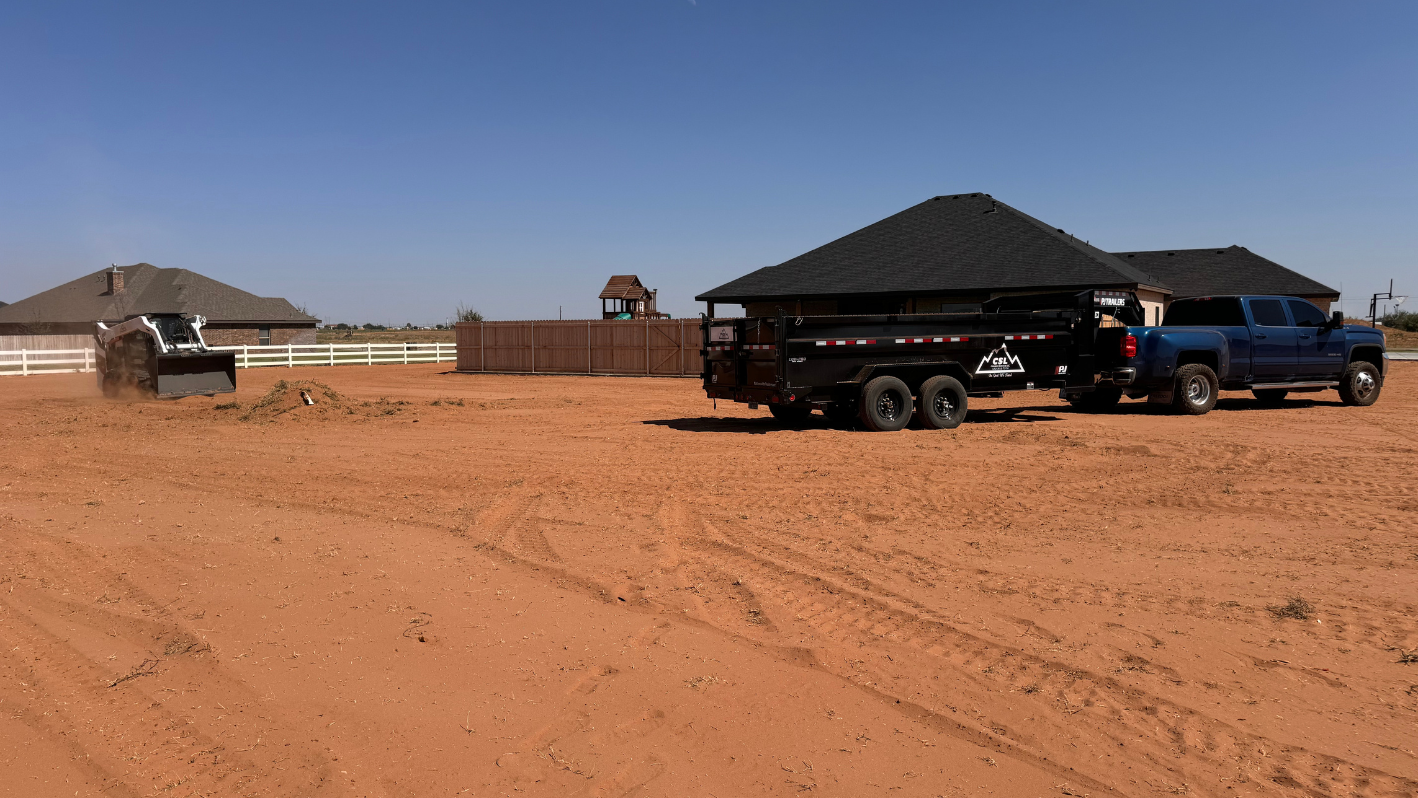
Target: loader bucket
x: 193, y: 374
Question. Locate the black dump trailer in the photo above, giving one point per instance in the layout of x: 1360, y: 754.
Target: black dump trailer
x: 885, y: 369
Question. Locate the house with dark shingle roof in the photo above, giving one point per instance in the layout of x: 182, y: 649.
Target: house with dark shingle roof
x: 953, y: 252
x: 64, y: 316
x: 1233, y: 270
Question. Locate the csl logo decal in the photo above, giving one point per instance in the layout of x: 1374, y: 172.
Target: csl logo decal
x: 999, y: 363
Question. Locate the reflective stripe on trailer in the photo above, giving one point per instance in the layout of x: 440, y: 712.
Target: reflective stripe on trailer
x: 1027, y: 337
x: 760, y: 346
x: 941, y: 340
x: 847, y: 343
x: 720, y: 348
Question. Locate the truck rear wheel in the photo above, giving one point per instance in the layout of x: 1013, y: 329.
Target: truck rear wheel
x: 1194, y: 392
x: 790, y: 415
x: 1360, y: 384
x: 943, y: 403
x: 886, y: 404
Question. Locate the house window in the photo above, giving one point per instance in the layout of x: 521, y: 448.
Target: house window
x: 264, y: 335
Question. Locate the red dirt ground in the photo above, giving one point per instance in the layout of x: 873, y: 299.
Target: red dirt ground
x: 599, y: 586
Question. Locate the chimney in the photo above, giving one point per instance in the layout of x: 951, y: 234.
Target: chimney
x: 115, y: 280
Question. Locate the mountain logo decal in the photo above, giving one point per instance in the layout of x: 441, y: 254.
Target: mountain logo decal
x: 1000, y: 362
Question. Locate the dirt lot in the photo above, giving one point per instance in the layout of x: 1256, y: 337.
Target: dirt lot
x: 571, y: 586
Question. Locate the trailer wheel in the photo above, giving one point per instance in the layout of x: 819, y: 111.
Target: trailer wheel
x: 886, y: 404
x: 1270, y: 397
x: 790, y: 415
x: 942, y: 404
x: 1195, y: 390
x: 1360, y: 384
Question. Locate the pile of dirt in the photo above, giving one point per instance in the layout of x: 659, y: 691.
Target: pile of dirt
x: 301, y: 400
x: 297, y: 399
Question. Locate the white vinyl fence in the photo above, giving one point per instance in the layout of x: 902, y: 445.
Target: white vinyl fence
x: 23, y: 362
x: 68, y: 361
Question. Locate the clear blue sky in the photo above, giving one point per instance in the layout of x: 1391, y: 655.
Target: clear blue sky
x: 385, y: 161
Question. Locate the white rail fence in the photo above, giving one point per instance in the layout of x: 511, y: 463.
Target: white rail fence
x: 68, y: 361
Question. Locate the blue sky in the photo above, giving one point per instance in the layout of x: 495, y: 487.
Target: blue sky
x: 382, y: 161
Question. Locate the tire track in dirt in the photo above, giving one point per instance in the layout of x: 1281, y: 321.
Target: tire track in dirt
x: 113, y: 719
x: 1105, y: 704
x: 988, y: 739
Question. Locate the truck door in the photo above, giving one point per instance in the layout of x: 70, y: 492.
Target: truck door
x: 1319, y: 353
x: 1274, y: 342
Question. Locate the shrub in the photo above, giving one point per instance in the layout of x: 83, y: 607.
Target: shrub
x: 466, y: 313
x: 1401, y: 320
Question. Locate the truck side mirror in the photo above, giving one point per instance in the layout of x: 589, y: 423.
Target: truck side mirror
x: 1337, y: 320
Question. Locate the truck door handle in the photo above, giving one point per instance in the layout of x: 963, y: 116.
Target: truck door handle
x: 1260, y: 335
x: 1305, y: 335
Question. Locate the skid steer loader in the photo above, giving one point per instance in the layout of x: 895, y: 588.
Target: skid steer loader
x: 163, y: 355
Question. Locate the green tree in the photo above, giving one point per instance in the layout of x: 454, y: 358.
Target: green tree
x: 466, y: 313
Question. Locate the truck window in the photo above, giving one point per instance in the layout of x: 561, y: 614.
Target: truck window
x: 1205, y: 312
x: 1306, y: 315
x: 1268, y: 313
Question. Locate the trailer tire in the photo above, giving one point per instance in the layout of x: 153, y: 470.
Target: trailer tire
x: 1195, y: 389
x: 790, y: 415
x: 1101, y: 399
x: 886, y: 405
x: 942, y: 404
x: 1270, y: 397
x: 1360, y: 384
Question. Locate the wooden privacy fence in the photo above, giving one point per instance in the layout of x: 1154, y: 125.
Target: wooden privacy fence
x: 646, y: 347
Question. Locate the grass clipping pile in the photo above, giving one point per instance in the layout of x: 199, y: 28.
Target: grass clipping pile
x: 300, y: 400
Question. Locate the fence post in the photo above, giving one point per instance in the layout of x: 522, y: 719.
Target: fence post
x: 24, y: 363
x: 588, y: 346
x: 244, y: 364
x: 482, y: 345
x: 290, y: 355
x: 534, y: 347
x: 647, y: 347
x: 88, y: 360
x: 332, y: 353
x: 369, y: 354
x: 406, y: 353
x: 681, y: 347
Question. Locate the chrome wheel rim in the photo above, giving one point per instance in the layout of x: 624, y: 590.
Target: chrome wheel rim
x: 888, y: 405
x: 1198, y: 390
x: 1364, y: 385
x: 943, y: 405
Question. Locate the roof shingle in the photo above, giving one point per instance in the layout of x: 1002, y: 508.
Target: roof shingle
x: 1233, y: 270
x: 148, y: 289
x: 949, y: 244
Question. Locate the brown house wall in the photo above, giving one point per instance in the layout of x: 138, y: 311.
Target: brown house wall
x: 251, y: 336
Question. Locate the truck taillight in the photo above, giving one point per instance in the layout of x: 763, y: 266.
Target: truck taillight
x: 1127, y: 347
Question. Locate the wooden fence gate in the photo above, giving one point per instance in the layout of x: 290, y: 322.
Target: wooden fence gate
x: 649, y: 347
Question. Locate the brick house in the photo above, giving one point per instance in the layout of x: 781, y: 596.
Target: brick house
x: 953, y: 252
x: 63, y: 317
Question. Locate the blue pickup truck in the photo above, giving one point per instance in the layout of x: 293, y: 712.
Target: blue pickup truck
x: 1269, y: 345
